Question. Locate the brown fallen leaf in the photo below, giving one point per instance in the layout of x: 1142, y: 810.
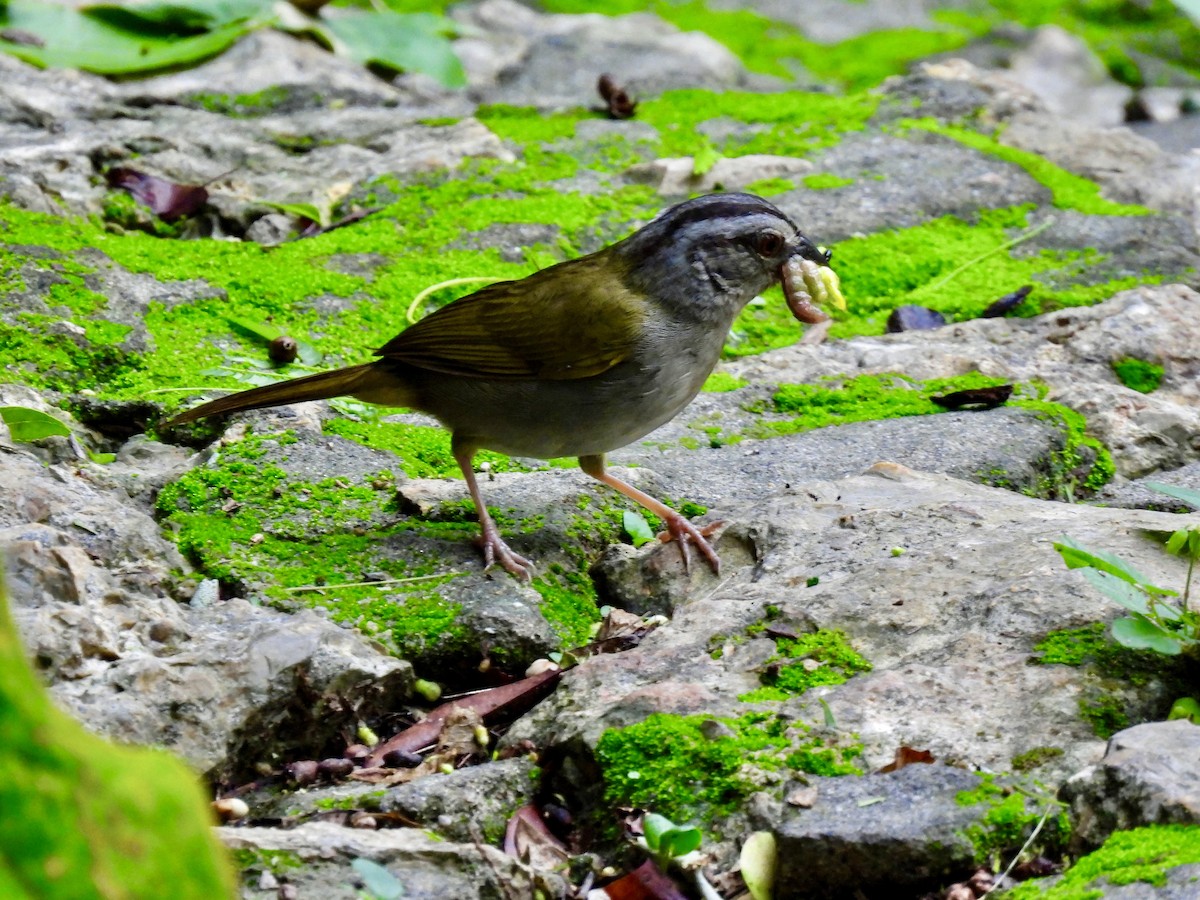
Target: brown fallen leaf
x: 491, y: 705
x: 167, y: 199
x: 528, y: 839
x: 907, y: 756
x: 983, y: 398
x: 616, y: 101
x: 646, y: 882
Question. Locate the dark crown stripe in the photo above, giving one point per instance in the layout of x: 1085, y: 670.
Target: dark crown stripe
x: 663, y: 230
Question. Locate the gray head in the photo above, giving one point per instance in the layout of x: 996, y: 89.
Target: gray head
x: 710, y: 256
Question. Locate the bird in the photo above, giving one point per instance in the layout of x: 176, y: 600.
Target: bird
x: 585, y: 356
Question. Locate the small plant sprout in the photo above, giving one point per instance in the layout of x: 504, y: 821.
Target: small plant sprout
x: 667, y: 841
x: 1156, y: 622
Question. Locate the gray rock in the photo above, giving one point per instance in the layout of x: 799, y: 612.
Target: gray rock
x: 1136, y: 495
x: 467, y: 802
x: 427, y: 868
x: 1148, y: 776
x: 524, y: 57
x: 1069, y: 78
x: 893, y: 834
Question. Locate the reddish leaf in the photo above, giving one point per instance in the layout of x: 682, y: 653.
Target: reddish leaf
x: 984, y: 398
x: 907, y: 756
x: 646, y: 882
x: 506, y: 700
x: 166, y: 199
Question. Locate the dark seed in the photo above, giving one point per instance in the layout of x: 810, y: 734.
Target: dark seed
x: 357, y: 753
x: 914, y: 318
x: 401, y: 759
x: 1007, y: 303
x: 302, y: 772
x: 283, y: 349
x: 335, y: 768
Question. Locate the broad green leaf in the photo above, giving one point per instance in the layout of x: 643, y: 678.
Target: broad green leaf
x: 1120, y: 592
x: 636, y: 527
x: 1187, y: 495
x: 378, y: 881
x: 1077, y: 556
x: 653, y: 827
x: 679, y: 841
x: 1176, y: 541
x: 758, y: 861
x: 26, y: 425
x: 414, y: 42
x: 1186, y: 708
x: 74, y: 40
x: 1139, y: 633
x: 263, y: 330
x: 191, y: 17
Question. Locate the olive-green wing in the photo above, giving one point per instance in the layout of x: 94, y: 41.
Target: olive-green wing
x: 563, y: 322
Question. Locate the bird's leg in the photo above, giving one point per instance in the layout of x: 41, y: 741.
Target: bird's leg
x: 678, y: 528
x: 489, y: 540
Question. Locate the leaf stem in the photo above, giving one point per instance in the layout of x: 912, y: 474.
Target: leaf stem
x: 411, y: 313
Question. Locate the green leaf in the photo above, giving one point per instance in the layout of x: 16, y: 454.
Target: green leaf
x: 1139, y: 633
x: 653, y: 827
x: 1187, y: 495
x: 308, y: 211
x: 1077, y: 556
x: 1177, y: 541
x: 1186, y: 708
x: 758, y: 861
x: 413, y: 42
x: 679, y: 841
x: 830, y: 721
x: 265, y: 331
x: 100, y: 459
x: 1191, y: 7
x: 636, y: 527
x: 194, y: 16
x: 378, y: 881
x: 1120, y: 592
x: 77, y: 41
x: 27, y: 425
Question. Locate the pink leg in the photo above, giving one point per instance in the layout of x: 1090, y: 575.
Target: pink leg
x: 678, y: 528
x: 493, y: 546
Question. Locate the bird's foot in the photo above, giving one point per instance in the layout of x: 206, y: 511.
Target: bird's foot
x: 681, y: 530
x: 496, y: 551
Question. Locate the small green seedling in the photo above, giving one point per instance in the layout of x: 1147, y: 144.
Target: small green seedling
x: 1155, y: 621
x: 637, y: 528
x: 667, y: 841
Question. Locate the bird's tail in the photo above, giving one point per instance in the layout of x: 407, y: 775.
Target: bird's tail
x: 351, y: 380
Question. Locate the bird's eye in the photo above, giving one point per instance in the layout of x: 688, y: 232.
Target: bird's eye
x: 769, y: 243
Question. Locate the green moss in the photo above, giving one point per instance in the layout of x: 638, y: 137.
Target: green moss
x: 569, y: 604
x: 700, y: 768
x: 1070, y: 191
x: 769, y: 187
x: 820, y: 658
x: 823, y: 181
x: 775, y: 48
x: 721, y: 382
x: 1011, y: 816
x: 240, y: 106
x: 84, y: 818
x: 277, y: 862
x: 1035, y: 758
x: 1138, y: 374
x: 1105, y: 713
x: 1142, y: 854
x: 954, y: 266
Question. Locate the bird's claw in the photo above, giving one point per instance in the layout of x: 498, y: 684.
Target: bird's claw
x: 496, y: 551
x: 686, y: 534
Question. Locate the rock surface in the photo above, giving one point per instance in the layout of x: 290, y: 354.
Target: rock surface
x: 926, y: 541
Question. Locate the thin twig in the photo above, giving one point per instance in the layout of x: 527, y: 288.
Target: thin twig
x: 350, y: 584
x: 1012, y: 865
x: 1019, y: 239
x: 411, y: 313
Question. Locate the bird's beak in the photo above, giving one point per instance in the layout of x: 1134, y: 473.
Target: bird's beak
x: 808, y: 285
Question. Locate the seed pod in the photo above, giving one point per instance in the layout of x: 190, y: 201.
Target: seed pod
x: 303, y: 772
x: 401, y: 759
x: 335, y: 768
x: 283, y: 349
x: 230, y: 809
x: 357, y: 753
